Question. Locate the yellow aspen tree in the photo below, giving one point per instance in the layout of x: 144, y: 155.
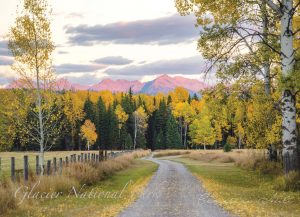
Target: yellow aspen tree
x: 88, y: 132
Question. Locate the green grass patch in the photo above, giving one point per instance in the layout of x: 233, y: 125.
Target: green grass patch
x: 109, y: 204
x: 244, y: 192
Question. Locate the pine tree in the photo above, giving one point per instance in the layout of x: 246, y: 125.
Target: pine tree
x: 112, y: 128
x: 128, y: 142
x: 195, y: 97
x: 160, y: 141
x: 101, y: 123
x: 189, y: 99
x: 173, y: 140
x: 89, y: 110
x: 169, y: 100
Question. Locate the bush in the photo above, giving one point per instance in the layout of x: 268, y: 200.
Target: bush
x: 227, y: 147
x: 265, y: 166
x: 289, y: 182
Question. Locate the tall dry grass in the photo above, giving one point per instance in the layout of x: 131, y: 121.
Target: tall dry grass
x: 74, y: 175
x: 246, y: 159
x: 164, y: 153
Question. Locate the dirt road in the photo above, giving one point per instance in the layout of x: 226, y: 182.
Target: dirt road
x: 174, y: 192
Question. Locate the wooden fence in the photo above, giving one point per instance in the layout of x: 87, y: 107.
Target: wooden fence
x: 55, y: 166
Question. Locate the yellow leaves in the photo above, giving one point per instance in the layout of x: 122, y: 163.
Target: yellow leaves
x: 121, y: 115
x: 185, y: 110
x: 180, y: 94
x: 202, y: 132
x: 73, y: 108
x: 141, y: 118
x: 88, y: 131
x: 198, y: 105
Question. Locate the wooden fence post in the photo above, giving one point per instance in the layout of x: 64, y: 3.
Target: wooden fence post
x: 48, y: 167
x: 74, y: 158
x: 105, y: 154
x: 85, y: 157
x: 54, y: 165
x: 60, y: 165
x: 37, y: 166
x: 67, y: 160
x: 25, y: 168
x: 89, y: 157
x: 12, y: 169
x: 81, y: 157
x: 102, y: 155
x: 97, y: 158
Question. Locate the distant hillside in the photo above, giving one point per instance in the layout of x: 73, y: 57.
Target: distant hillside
x: 162, y: 84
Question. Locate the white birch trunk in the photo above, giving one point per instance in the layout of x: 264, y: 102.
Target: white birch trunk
x: 135, y: 132
x: 289, y: 138
x: 266, y: 63
x: 185, y: 133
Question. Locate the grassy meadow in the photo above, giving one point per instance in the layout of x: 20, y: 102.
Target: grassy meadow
x: 19, y: 158
x: 241, y: 182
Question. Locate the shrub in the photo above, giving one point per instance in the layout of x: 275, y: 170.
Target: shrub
x: 227, y: 147
x: 289, y: 182
x: 268, y: 167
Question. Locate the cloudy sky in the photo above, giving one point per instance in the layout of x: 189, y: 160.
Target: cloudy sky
x: 98, y: 39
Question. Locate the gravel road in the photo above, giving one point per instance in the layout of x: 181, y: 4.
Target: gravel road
x: 174, y: 192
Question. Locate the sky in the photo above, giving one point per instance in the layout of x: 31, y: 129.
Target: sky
x: 117, y: 39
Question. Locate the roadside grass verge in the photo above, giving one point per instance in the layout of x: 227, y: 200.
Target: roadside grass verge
x: 75, y: 175
x: 244, y: 192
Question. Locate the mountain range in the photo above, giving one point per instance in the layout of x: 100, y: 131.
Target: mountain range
x: 162, y: 84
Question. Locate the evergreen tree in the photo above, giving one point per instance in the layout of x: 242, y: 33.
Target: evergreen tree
x: 101, y: 123
x: 173, y: 140
x: 195, y: 97
x: 151, y: 131
x: 112, y: 128
x: 160, y: 141
x: 89, y: 110
x: 169, y: 100
x: 128, y: 142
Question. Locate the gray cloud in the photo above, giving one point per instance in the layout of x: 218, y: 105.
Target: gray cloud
x: 190, y: 65
x: 113, y: 60
x: 86, y: 79
x: 74, y: 15
x: 4, y: 49
x: 63, y: 52
x: 167, y: 30
x: 4, y: 61
x: 68, y: 68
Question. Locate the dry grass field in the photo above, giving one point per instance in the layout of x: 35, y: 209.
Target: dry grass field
x: 19, y: 158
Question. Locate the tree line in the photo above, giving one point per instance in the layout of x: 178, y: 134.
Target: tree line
x: 241, y: 115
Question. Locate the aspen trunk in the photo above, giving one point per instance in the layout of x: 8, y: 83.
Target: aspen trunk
x: 135, y: 132
x: 266, y: 61
x: 289, y: 129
